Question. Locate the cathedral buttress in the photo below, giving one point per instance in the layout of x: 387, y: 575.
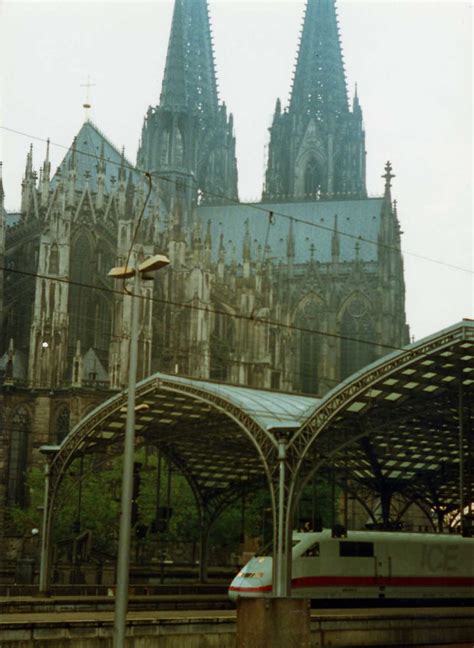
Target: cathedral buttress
x: 317, y: 145
x: 45, y: 180
x: 391, y: 277
x: 47, y: 365
x: 29, y: 198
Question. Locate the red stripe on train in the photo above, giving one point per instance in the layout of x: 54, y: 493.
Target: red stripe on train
x: 383, y: 581
x: 369, y: 581
x: 265, y: 588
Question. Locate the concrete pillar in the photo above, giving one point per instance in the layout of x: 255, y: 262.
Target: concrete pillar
x: 275, y: 622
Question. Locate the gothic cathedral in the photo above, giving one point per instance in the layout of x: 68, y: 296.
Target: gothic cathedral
x: 294, y: 293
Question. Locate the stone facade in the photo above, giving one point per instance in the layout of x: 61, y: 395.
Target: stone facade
x: 294, y: 293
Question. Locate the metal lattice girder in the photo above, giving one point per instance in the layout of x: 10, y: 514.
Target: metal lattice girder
x: 403, y: 426
x: 217, y: 435
x: 397, y: 422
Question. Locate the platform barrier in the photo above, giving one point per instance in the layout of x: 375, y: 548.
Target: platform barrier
x: 219, y: 629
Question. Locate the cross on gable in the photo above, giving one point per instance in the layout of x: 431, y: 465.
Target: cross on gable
x: 87, y: 105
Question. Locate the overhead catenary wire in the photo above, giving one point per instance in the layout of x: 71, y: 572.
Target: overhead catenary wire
x: 255, y: 206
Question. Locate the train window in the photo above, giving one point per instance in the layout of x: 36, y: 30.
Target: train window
x: 312, y: 551
x: 356, y: 549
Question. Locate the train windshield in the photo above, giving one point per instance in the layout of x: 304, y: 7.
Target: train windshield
x: 267, y: 550
x: 312, y: 551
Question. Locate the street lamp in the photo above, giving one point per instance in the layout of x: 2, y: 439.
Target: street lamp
x: 139, y: 273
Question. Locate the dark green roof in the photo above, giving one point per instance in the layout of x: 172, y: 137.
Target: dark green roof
x: 357, y: 218
x: 89, y: 143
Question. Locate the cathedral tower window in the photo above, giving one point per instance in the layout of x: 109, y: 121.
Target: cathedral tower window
x: 54, y: 259
x: 20, y: 427
x: 312, y: 178
x: 165, y: 147
x: 178, y: 147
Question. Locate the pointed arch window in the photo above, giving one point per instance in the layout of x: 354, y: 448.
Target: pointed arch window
x: 100, y: 317
x: 54, y: 259
x: 222, y: 344
x: 20, y: 427
x: 62, y: 424
x: 82, y: 276
x: 90, y: 309
x: 178, y: 146
x: 356, y: 324
x: 309, y: 347
x: 312, y: 178
x: 165, y: 147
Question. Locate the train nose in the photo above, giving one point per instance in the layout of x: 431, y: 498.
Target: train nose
x: 250, y: 582
x: 236, y: 586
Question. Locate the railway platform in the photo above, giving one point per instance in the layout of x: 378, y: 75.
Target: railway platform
x: 403, y: 627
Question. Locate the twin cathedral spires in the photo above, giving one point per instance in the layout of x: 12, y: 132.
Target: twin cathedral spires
x: 317, y: 145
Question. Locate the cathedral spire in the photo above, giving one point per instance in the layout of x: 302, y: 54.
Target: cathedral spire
x: 317, y: 145
x: 189, y: 80
x: 319, y: 86
x: 47, y: 164
x: 29, y: 163
x: 189, y: 137
x: 388, y: 175
x: 356, y: 109
x: 45, y: 177
x: 121, y: 173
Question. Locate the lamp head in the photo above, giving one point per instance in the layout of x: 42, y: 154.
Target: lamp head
x: 121, y: 272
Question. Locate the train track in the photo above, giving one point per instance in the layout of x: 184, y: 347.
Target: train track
x: 195, y: 601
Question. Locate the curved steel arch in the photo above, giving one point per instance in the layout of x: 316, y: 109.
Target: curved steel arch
x: 88, y: 431
x: 339, y: 399
x: 440, y: 363
x: 329, y: 429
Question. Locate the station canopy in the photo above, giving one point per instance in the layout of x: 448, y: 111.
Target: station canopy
x: 401, y: 425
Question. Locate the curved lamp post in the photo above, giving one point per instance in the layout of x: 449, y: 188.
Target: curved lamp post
x: 139, y: 273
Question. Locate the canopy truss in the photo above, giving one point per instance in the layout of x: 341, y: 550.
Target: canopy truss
x: 403, y: 425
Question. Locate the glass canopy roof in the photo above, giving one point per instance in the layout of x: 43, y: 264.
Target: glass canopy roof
x: 396, y: 426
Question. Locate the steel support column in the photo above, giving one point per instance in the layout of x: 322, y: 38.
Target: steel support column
x: 45, y: 544
x: 281, y: 584
x: 461, y: 454
x: 203, y: 546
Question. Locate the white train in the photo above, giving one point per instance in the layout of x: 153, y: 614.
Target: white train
x: 368, y: 565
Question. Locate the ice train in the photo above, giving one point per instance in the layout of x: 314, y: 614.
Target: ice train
x: 368, y: 565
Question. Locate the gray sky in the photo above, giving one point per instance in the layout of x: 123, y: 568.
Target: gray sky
x: 412, y: 62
